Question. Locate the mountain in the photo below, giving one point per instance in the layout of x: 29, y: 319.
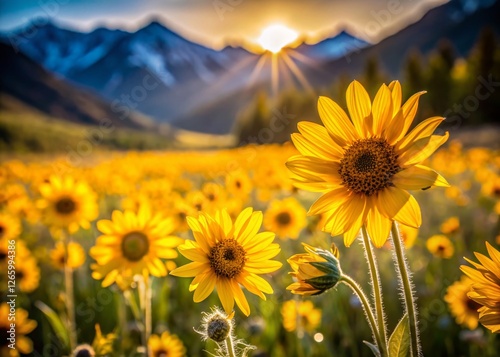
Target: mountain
x: 173, y: 80
x: 458, y: 22
x: 26, y: 81
x: 156, y: 71
x: 332, y: 48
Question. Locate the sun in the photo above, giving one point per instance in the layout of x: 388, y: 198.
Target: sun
x: 275, y: 37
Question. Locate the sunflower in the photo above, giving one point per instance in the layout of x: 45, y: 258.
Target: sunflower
x: 286, y: 218
x: 76, y: 255
x: 440, y: 246
x: 225, y: 255
x: 23, y: 327
x: 301, y: 313
x: 408, y: 235
x: 365, y: 167
x: 10, y: 227
x: 67, y: 203
x: 132, y: 244
x: 166, y: 345
x: 103, y: 344
x: 239, y: 185
x: 450, y: 226
x: 486, y: 287
x: 461, y: 306
x: 27, y: 274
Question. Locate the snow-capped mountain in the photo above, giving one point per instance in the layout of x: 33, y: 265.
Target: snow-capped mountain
x: 332, y: 48
x: 166, y: 75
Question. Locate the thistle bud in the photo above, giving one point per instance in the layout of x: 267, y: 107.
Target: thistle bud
x: 83, y: 351
x: 217, y: 325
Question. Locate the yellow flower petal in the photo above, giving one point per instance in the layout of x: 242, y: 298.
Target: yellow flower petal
x: 381, y: 110
x: 418, y: 177
x: 399, y: 205
x: 422, y: 130
x: 329, y: 201
x: 205, y: 288
x: 225, y: 294
x: 336, y: 122
x: 378, y: 226
x: 191, y: 269
x: 359, y: 106
x: 409, y: 110
x: 240, y: 298
x: 396, y: 93
x: 421, y: 150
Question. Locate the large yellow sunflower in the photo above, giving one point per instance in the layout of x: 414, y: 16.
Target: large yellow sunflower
x: 68, y: 203
x: 486, y: 287
x: 365, y: 166
x: 225, y: 255
x: 133, y: 244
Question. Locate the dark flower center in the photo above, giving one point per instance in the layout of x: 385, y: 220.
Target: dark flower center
x: 472, y: 305
x: 65, y: 205
x: 2, y: 231
x: 161, y: 353
x: 368, y: 166
x: 283, y: 218
x: 227, y: 258
x: 135, y: 245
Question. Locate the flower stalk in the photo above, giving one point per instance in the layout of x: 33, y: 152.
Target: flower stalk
x: 230, y: 346
x: 145, y: 297
x: 409, y: 300
x: 70, y: 295
x: 377, y: 290
x: 350, y: 282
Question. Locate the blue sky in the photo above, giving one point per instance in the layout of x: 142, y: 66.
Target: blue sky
x: 217, y: 22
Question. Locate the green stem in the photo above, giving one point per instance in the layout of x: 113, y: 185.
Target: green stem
x: 70, y: 295
x: 377, y: 290
x: 350, y: 282
x: 145, y: 296
x: 230, y: 346
x: 409, y: 300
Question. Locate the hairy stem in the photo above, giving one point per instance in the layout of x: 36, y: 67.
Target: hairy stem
x: 377, y: 291
x: 409, y: 300
x: 350, y: 282
x: 230, y: 346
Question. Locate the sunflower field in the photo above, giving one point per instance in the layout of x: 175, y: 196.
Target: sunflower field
x: 364, y: 236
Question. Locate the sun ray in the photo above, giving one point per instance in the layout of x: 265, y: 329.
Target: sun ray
x: 257, y: 69
x: 275, y: 77
x: 295, y: 70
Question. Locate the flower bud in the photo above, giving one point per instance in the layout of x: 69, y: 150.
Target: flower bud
x: 83, y: 351
x: 217, y: 325
x: 316, y: 271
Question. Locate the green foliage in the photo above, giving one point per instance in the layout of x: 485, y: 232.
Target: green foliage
x: 399, y: 342
x: 24, y: 131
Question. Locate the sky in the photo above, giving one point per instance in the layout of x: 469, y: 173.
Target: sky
x: 216, y: 23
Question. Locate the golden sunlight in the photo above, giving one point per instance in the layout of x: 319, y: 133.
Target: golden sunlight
x: 275, y: 37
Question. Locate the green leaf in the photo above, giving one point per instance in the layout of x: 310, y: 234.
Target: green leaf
x: 399, y: 342
x: 55, y: 322
x: 374, y: 348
